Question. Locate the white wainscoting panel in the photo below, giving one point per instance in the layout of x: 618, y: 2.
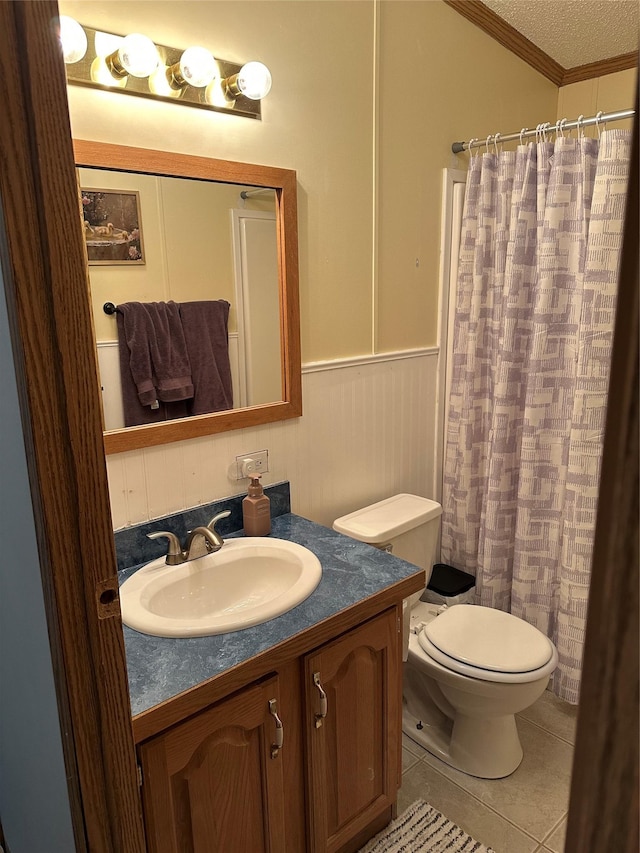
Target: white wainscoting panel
x: 367, y: 432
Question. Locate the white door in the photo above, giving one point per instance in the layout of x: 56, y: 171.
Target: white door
x: 258, y: 306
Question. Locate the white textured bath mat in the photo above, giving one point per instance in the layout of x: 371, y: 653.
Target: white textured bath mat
x: 422, y: 829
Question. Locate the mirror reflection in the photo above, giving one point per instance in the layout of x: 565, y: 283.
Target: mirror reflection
x: 192, y: 268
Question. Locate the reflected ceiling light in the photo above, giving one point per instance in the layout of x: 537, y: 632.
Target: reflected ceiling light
x: 135, y: 65
x: 196, y: 68
x: 73, y: 39
x: 159, y: 83
x: 100, y: 73
x: 137, y: 55
x: 252, y: 81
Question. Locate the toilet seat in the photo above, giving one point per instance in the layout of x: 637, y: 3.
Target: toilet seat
x: 488, y: 644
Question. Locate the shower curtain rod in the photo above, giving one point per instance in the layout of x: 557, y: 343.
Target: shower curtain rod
x: 563, y: 124
x: 250, y: 193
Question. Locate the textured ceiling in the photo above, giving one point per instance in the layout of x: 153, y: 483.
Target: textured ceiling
x: 574, y: 32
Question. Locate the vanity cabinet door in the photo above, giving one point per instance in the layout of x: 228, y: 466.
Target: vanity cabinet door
x: 353, y: 737
x: 215, y: 784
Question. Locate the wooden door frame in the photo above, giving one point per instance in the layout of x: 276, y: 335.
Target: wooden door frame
x: 43, y: 262
x: 46, y: 282
x: 603, y: 811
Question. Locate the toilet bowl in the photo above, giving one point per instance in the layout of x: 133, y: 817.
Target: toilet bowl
x: 462, y: 711
x: 469, y: 669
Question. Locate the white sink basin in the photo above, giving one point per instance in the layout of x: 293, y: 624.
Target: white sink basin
x: 247, y: 582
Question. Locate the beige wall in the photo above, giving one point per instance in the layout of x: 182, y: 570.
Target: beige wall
x: 125, y: 282
x: 188, y: 252
x: 366, y: 100
x: 317, y: 120
x: 441, y: 80
x: 610, y: 93
x: 361, y: 90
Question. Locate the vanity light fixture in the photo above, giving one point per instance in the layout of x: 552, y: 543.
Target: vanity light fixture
x: 115, y: 58
x: 134, y: 65
x: 196, y: 68
x: 253, y: 81
x: 137, y: 55
x: 72, y: 38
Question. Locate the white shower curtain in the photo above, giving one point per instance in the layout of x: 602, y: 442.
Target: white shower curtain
x: 536, y: 291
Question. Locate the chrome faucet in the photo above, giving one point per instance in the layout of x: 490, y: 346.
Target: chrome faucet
x: 200, y: 542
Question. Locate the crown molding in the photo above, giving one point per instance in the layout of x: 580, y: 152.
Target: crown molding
x: 600, y: 68
x: 487, y: 20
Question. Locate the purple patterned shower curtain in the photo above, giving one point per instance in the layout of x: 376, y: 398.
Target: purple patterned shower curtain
x: 536, y: 292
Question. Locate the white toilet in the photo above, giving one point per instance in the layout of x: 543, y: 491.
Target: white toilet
x: 469, y: 669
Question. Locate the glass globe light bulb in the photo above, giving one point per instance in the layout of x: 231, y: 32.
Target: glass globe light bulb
x: 73, y: 39
x: 254, y: 80
x: 197, y: 66
x: 138, y: 55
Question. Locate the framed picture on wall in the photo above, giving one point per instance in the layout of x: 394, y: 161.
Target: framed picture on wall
x: 112, y: 226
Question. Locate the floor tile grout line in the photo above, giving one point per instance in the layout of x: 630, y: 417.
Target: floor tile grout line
x: 414, y: 745
x: 555, y: 828
x: 406, y: 770
x: 545, y: 730
x: 482, y: 803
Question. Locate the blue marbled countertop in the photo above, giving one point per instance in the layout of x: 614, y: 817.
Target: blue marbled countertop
x: 160, y: 668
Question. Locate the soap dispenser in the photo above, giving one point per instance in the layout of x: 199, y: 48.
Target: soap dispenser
x: 256, y: 510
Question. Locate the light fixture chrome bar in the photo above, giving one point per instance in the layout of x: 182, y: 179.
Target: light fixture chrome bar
x: 79, y: 74
x: 525, y: 133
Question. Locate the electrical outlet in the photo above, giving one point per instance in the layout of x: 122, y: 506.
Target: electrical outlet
x: 252, y: 463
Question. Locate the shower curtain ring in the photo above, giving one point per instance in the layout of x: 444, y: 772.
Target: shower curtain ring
x: 598, y: 119
x: 496, y: 139
x: 471, y: 143
x: 579, y: 129
x: 486, y: 145
x: 522, y: 132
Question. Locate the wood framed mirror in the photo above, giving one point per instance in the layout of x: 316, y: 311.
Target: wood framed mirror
x: 107, y: 166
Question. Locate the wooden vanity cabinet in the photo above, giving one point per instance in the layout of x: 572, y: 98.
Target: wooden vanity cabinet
x: 215, y: 784
x: 354, y: 735
x: 216, y: 781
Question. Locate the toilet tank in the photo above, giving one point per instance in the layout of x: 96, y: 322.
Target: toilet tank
x: 408, y: 524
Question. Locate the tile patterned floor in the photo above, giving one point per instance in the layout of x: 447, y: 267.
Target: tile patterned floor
x: 524, y: 813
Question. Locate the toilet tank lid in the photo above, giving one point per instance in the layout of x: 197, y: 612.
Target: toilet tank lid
x: 386, y: 519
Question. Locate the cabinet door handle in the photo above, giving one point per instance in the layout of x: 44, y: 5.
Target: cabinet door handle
x: 323, y: 700
x: 277, y: 746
